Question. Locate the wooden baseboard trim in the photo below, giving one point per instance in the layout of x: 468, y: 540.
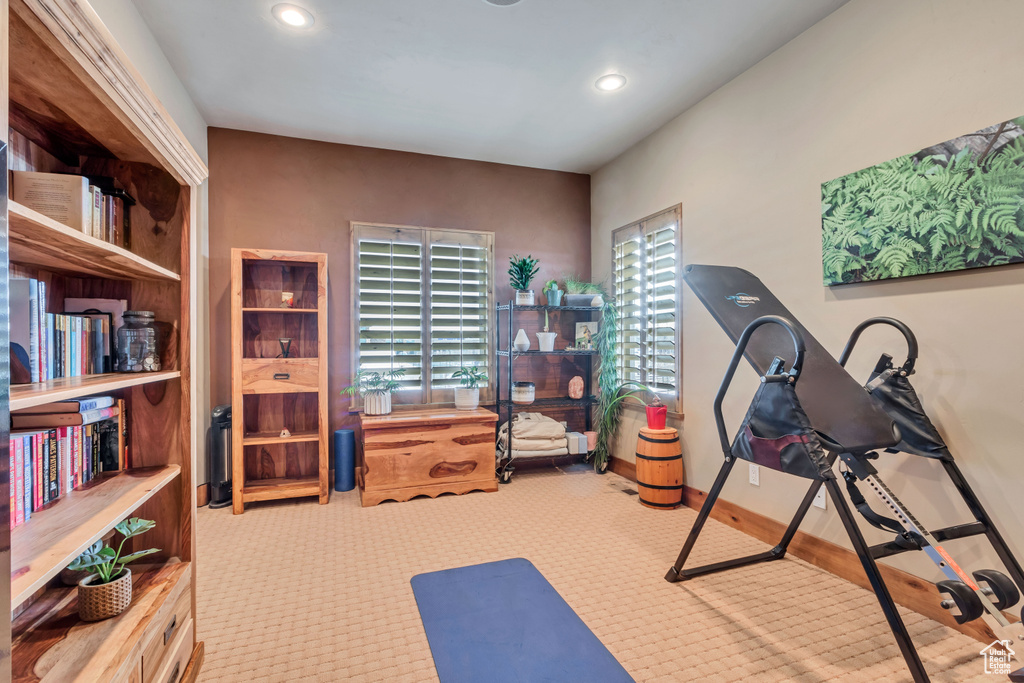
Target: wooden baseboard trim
x: 906, y: 589
x: 202, y: 495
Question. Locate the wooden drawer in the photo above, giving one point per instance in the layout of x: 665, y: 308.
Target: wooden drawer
x: 165, y: 630
x: 280, y: 376
x: 420, y: 455
x: 132, y: 675
x: 178, y: 655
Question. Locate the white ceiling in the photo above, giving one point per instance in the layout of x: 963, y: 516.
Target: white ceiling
x: 462, y: 78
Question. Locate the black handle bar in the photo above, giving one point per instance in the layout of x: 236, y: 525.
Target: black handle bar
x: 908, y: 366
x: 741, y: 345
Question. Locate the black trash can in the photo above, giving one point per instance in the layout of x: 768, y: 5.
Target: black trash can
x: 218, y: 457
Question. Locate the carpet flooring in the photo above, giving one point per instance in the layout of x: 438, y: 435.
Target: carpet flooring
x: 295, y: 591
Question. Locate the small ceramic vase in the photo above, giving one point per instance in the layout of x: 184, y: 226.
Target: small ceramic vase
x: 521, y: 342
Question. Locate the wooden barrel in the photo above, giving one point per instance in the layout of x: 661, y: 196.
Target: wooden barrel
x: 659, y: 468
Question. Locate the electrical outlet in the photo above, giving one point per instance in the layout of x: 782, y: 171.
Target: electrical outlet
x: 819, y: 498
x: 755, y: 475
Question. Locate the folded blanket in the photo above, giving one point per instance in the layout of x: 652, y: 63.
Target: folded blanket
x: 538, y: 454
x: 536, y: 426
x: 538, y: 444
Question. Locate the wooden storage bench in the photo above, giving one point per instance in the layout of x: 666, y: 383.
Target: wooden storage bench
x: 426, y: 453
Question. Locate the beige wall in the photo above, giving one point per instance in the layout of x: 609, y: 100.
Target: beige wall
x: 123, y: 20
x: 874, y: 80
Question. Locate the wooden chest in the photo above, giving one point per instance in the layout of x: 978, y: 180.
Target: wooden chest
x: 426, y: 452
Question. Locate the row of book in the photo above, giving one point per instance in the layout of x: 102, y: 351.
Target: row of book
x: 96, y: 206
x: 48, y: 345
x: 59, y: 447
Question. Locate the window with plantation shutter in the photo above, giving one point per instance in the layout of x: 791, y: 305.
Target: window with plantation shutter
x: 424, y: 303
x: 645, y: 271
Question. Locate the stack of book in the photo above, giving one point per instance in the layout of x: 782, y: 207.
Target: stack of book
x: 96, y: 206
x: 47, y: 345
x: 58, y: 447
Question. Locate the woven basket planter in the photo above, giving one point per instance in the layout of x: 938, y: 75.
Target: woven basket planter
x: 104, y: 600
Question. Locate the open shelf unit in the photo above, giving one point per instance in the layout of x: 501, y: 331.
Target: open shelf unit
x: 272, y: 391
x: 75, y: 105
x: 504, y: 349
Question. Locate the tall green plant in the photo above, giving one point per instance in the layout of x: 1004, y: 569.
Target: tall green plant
x: 911, y: 217
x: 608, y: 409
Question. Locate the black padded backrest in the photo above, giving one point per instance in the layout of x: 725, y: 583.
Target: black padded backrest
x: 836, y: 404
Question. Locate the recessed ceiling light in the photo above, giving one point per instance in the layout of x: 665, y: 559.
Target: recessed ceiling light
x: 502, y: 3
x: 611, y: 82
x: 292, y: 15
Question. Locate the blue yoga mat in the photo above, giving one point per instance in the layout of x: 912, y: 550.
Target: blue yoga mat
x: 503, y: 622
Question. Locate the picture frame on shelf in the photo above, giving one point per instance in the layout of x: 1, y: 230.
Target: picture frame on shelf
x: 586, y: 333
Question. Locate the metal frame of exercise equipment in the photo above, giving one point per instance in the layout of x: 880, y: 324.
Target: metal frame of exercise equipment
x: 855, y: 451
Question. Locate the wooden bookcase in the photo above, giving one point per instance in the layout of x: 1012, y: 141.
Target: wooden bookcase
x: 73, y: 103
x: 270, y: 392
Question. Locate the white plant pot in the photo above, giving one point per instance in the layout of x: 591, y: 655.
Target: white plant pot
x: 521, y: 342
x: 377, y: 403
x: 524, y: 297
x: 546, y: 340
x: 467, y: 399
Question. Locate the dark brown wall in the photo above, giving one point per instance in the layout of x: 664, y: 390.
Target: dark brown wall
x: 274, y: 192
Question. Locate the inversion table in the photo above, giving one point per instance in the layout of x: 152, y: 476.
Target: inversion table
x: 802, y: 419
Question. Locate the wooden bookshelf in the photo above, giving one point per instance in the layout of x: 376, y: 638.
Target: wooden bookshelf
x: 271, y: 393
x: 57, y: 534
x: 75, y: 104
x: 38, y: 393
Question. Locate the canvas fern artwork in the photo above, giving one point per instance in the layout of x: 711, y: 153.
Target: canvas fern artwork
x: 952, y: 206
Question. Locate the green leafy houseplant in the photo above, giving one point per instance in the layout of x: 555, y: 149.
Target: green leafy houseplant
x: 105, y: 562
x: 470, y: 376
x: 467, y: 396
x: 574, y: 284
x: 374, y: 382
x: 521, y: 271
x: 375, y: 387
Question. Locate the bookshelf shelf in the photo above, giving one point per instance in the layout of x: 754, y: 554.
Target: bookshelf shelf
x: 28, y: 395
x: 36, y: 240
x: 260, y: 438
x: 52, y: 644
x: 274, y: 489
x: 55, y: 535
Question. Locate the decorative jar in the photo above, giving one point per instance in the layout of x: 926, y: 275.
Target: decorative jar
x: 137, y: 348
x: 523, y: 393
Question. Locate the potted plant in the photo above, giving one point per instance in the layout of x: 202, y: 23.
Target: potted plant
x: 107, y: 590
x: 553, y: 293
x: 545, y: 339
x: 375, y: 388
x: 467, y: 397
x: 610, y: 415
x: 580, y: 292
x: 521, y: 272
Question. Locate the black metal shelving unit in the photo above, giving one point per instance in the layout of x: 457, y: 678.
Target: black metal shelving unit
x: 504, y: 405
